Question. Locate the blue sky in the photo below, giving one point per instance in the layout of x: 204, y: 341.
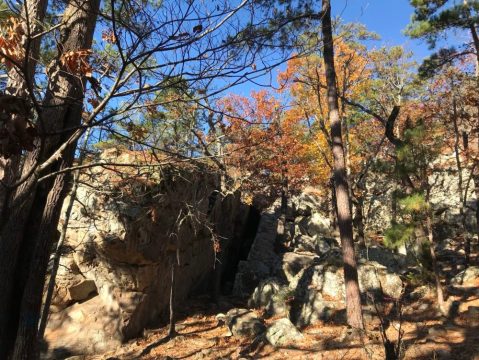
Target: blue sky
x: 388, y: 18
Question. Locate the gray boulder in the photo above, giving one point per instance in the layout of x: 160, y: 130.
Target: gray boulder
x: 383, y: 256
x: 376, y: 278
x: 317, y: 224
x: 304, y: 243
x: 314, y: 244
x: 243, y: 322
x: 282, y: 332
x: 292, y: 263
x: 306, y: 203
x: 272, y: 296
x: 319, y: 290
x: 310, y: 307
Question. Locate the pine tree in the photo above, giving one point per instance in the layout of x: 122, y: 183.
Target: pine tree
x: 353, y: 296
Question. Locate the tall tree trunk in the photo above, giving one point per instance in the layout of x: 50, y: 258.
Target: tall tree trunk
x: 58, y: 252
x: 353, y: 296
x: 56, y: 261
x: 29, y: 232
x: 31, y: 301
x: 20, y: 82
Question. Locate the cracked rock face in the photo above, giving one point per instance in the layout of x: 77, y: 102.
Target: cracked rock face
x: 123, y: 234
x: 305, y: 280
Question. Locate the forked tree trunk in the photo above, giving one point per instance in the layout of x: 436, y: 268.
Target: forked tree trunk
x: 19, y: 83
x: 353, y: 296
x: 56, y: 262
x: 30, y: 230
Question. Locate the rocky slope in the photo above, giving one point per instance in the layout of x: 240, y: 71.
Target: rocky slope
x: 301, y: 277
x: 126, y: 228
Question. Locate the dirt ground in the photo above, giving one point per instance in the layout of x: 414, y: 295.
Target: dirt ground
x: 426, y: 335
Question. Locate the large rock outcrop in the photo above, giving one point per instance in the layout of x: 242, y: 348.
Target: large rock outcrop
x: 301, y: 276
x: 123, y: 236
x: 444, y: 199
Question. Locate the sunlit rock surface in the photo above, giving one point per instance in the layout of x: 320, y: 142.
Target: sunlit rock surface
x: 123, y: 234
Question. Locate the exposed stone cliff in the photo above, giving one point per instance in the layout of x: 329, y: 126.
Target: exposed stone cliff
x: 125, y: 227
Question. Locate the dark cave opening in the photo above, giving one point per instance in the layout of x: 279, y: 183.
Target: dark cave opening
x: 239, y: 249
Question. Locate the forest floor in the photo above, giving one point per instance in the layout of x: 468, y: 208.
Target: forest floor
x: 427, y: 335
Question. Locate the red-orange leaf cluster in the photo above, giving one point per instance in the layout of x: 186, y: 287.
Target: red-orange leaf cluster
x: 265, y: 142
x: 76, y: 62
x: 11, y: 49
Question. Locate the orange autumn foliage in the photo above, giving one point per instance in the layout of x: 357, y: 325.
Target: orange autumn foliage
x: 76, y: 62
x: 266, y: 143
x: 304, y: 80
x: 11, y: 49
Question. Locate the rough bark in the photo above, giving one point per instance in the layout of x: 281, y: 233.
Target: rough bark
x: 30, y: 230
x: 353, y: 298
x: 334, y: 207
x: 30, y: 305
x: 20, y: 82
x: 56, y: 262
